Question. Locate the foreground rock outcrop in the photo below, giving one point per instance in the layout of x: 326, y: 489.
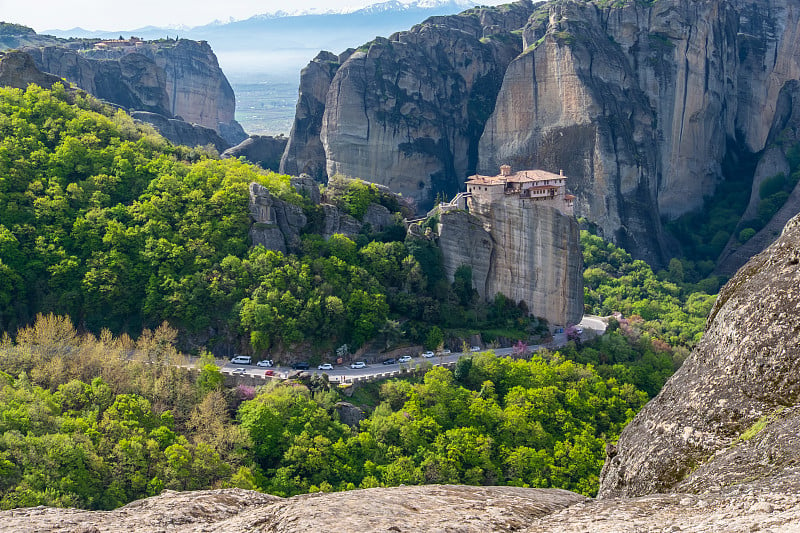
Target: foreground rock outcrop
x: 730, y: 416
x: 397, y: 509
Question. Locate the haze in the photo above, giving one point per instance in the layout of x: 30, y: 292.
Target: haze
x: 99, y: 15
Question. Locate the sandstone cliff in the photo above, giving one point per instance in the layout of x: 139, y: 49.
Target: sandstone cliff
x: 18, y: 70
x: 304, y: 153
x: 730, y: 416
x: 526, y: 251
x: 638, y: 102
x: 177, y: 79
x: 407, y: 111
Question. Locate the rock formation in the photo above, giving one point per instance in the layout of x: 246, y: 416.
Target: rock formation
x: 407, y: 111
x: 396, y: 509
x: 262, y: 150
x: 641, y: 102
x: 276, y: 224
x: 525, y: 250
x: 133, y: 82
x: 304, y: 152
x: 181, y: 132
x: 730, y: 416
x: 18, y: 70
x: 638, y: 102
x: 308, y: 187
x: 177, y: 79
x: 197, y: 88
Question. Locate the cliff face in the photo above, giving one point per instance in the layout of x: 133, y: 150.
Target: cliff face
x: 407, y: 111
x: 177, y: 79
x: 638, y: 102
x: 181, y: 132
x: 730, y: 417
x: 18, y: 70
x: 526, y: 251
x: 134, y: 82
x: 304, y: 153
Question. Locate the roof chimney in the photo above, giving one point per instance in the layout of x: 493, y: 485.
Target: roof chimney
x: 561, y: 172
x: 505, y: 170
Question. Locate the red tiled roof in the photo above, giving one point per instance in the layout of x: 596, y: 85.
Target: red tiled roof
x: 522, y: 176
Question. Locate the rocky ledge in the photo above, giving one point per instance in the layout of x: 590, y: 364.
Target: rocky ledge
x: 397, y: 509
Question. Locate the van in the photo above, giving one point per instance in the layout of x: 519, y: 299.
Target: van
x: 241, y: 360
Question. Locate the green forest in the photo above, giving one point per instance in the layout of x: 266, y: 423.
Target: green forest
x: 118, y: 249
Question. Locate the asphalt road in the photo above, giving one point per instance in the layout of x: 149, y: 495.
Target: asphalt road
x: 343, y: 372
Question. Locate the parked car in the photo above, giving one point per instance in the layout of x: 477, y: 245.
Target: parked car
x: 390, y: 361
x: 444, y: 352
x: 404, y: 359
x: 266, y: 363
x: 428, y: 354
x: 475, y: 349
x: 302, y: 365
x: 358, y: 364
x: 241, y: 360
x: 269, y: 372
x: 325, y: 366
x: 238, y: 371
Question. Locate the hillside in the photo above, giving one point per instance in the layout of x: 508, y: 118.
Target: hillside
x: 715, y: 450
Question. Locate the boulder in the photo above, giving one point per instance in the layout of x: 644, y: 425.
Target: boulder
x: 729, y: 416
x: 262, y: 150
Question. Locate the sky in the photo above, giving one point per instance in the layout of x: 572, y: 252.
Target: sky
x: 131, y: 14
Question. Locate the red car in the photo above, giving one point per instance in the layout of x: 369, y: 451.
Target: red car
x: 269, y: 372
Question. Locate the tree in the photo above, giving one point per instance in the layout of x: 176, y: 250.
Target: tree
x: 435, y: 338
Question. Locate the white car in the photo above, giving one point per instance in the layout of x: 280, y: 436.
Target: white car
x: 238, y: 371
x: 444, y: 352
x: 404, y: 359
x: 475, y: 349
x: 325, y: 366
x: 358, y: 364
x: 241, y: 360
x: 428, y: 354
x: 265, y: 362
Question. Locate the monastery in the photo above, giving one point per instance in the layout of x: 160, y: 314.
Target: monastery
x: 526, y: 186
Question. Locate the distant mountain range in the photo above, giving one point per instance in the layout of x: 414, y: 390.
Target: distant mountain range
x: 277, y: 45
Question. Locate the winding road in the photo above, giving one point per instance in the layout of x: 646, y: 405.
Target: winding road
x: 589, y: 327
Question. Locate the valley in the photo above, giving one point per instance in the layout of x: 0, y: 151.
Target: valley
x: 460, y: 197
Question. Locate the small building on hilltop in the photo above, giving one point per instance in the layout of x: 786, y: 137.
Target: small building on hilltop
x: 527, y: 185
x: 517, y: 233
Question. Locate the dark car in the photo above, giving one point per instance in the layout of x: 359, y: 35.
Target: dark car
x: 390, y: 361
x: 301, y: 366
